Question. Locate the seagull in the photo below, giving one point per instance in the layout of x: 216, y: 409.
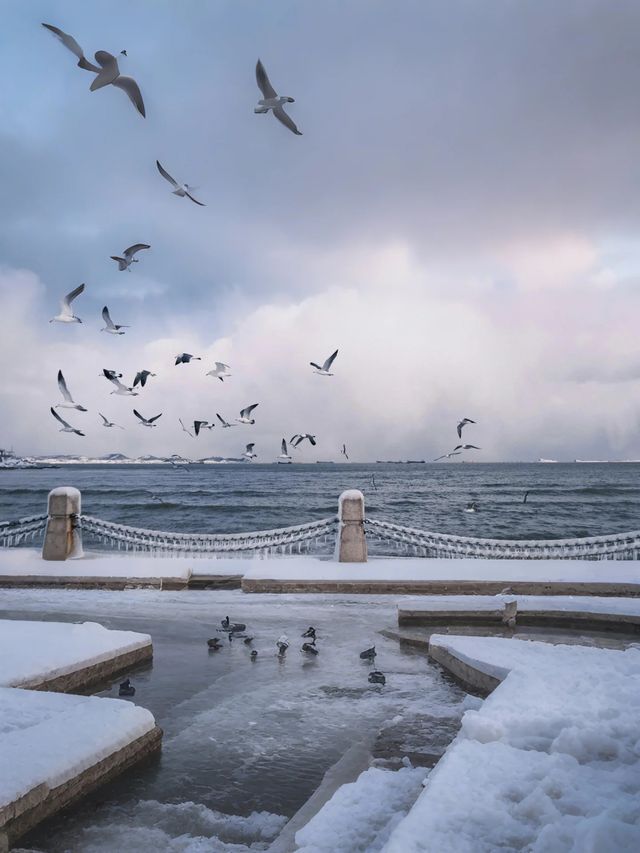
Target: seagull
x: 324, y: 370
x: 148, y: 422
x: 185, y: 358
x: 68, y: 399
x: 178, y: 189
x: 245, y: 413
x: 65, y: 426
x: 344, y: 451
x: 66, y: 314
x: 107, y: 423
x: 465, y: 447
x: 219, y: 371
x: 524, y: 499
x: 463, y: 424
x: 121, y: 390
x: 184, y: 429
x: 283, y: 452
x: 297, y: 439
x: 198, y: 425
x: 447, y: 455
x: 124, y: 263
x: 110, y: 374
x: 107, y: 71
x: 111, y: 328
x: 141, y: 377
x: 225, y: 424
x: 270, y: 100
x: 249, y: 454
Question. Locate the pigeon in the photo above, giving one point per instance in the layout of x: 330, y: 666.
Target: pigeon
x: 66, y: 314
x: 121, y: 390
x: 249, y: 454
x: 141, y: 377
x: 111, y: 328
x: 463, y: 424
x: 124, y: 263
x: 65, y: 426
x: 225, y: 424
x: 270, y: 100
x: 108, y: 423
x: 68, y: 399
x: 107, y: 71
x: 245, y: 415
x: 148, y: 422
x: 220, y: 371
x: 181, y: 190
x: 324, y: 370
x: 186, y: 357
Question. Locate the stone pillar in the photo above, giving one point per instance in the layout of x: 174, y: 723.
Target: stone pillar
x: 62, y: 539
x: 351, y: 544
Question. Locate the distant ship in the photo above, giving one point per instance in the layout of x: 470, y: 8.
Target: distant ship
x: 547, y: 460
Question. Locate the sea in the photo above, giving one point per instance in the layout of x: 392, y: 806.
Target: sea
x: 563, y: 500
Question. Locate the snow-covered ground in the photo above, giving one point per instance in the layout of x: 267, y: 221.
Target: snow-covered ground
x: 549, y: 762
x: 564, y: 603
x: 32, y: 652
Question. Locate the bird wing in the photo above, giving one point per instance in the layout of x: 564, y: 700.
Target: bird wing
x: 313, y: 364
x: 68, y: 299
x: 246, y: 412
x: 220, y: 365
x: 166, y: 175
x: 62, y: 385
x: 107, y: 318
x: 108, y: 72
x: 71, y: 44
x: 312, y: 440
x: 250, y: 447
x: 130, y: 252
x: 129, y: 85
x: 329, y: 361
x: 195, y: 200
x: 103, y: 418
x: 283, y: 447
x: 184, y: 428
x: 155, y: 418
x: 286, y: 120
x: 457, y: 447
x: 471, y: 447
x: 294, y: 438
x: 137, y: 379
x: 139, y: 416
x: 264, y: 84
x: 58, y: 418
x: 196, y: 426
x: 459, y: 428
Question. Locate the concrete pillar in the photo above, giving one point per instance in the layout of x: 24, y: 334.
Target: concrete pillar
x: 351, y: 544
x: 62, y: 539
x: 510, y: 614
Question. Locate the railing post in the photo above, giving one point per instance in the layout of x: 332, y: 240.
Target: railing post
x: 62, y: 538
x: 351, y: 541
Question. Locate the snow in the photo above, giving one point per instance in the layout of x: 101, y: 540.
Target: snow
x: 49, y: 738
x: 565, y: 603
x: 32, y: 652
x: 361, y: 815
x: 549, y: 762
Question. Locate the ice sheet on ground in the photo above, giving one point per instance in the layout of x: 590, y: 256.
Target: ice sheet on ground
x: 568, y: 603
x: 31, y: 652
x: 21, y: 562
x: 49, y: 738
x: 550, y: 761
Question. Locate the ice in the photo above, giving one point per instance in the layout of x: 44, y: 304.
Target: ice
x: 568, y: 603
x: 550, y: 762
x: 32, y: 652
x: 360, y: 816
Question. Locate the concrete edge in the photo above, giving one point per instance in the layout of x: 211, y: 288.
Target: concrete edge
x: 76, y: 582
x: 471, y: 678
x: 622, y: 623
x: 42, y: 802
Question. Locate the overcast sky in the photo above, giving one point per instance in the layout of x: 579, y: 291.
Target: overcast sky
x: 459, y: 218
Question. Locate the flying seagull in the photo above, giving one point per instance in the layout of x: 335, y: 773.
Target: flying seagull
x: 465, y: 447
x: 344, y: 451
x: 225, y: 424
x: 68, y: 399
x: 270, y: 100
x: 148, y: 422
x: 184, y: 429
x: 65, y: 426
x: 124, y: 263
x: 141, y: 377
x: 110, y: 374
x: 524, y: 499
x: 66, y: 314
x: 220, y: 371
x: 107, y: 423
x: 249, y: 454
x: 106, y: 71
x: 198, y: 425
x: 324, y: 370
x: 463, y: 424
x: 283, y: 452
x: 121, y: 390
x: 245, y: 415
x: 447, y: 455
x: 178, y: 189
x: 111, y: 328
x: 186, y: 357
x: 297, y: 439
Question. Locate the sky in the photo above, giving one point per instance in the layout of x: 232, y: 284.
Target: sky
x: 459, y: 219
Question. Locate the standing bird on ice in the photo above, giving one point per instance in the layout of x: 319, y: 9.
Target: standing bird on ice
x: 148, y: 422
x: 324, y: 370
x: 124, y: 263
x: 185, y: 358
x: 141, y: 377
x: 107, y: 423
x: 111, y: 327
x: 249, y: 454
x: 65, y: 426
x: 121, y: 390
x: 66, y: 314
x: 463, y: 424
x: 181, y: 190
x: 465, y: 447
x: 107, y: 71
x: 68, y: 399
x: 270, y: 100
x: 368, y: 654
x: 245, y: 415
x: 225, y: 424
x: 284, y: 456
x: 220, y: 371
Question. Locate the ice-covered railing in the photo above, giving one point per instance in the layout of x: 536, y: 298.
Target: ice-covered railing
x: 16, y: 532
x: 411, y: 542
x: 298, y: 539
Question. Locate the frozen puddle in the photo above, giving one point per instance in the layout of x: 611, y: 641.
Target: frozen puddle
x: 246, y: 744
